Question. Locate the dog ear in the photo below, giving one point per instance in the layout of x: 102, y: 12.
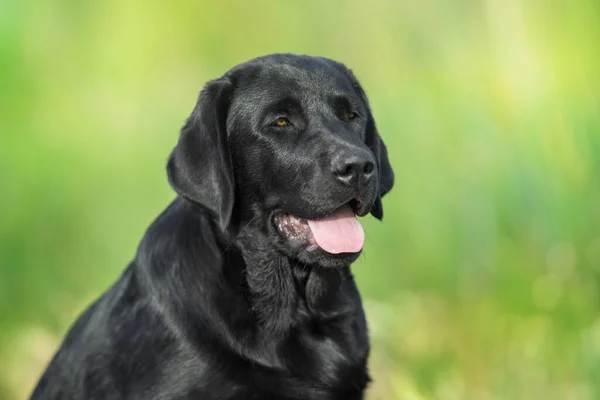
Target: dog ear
x: 375, y: 143
x: 199, y: 168
x: 386, y: 174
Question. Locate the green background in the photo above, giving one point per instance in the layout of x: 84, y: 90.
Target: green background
x: 483, y: 281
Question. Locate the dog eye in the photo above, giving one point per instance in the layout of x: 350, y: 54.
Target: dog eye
x: 282, y: 121
x: 352, y: 115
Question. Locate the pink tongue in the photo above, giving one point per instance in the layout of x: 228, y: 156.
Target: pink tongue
x: 339, y: 232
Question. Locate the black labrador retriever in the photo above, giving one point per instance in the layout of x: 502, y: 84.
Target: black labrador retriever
x: 241, y: 288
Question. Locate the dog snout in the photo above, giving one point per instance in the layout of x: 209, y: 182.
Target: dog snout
x: 354, y: 168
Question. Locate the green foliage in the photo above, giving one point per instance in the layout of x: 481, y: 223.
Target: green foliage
x: 483, y: 282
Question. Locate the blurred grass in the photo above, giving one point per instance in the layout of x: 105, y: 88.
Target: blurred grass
x: 483, y: 282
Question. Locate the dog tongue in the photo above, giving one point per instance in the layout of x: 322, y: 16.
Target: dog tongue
x: 339, y: 232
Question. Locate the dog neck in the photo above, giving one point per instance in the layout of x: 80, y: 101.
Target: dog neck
x: 284, y: 292
x: 269, y: 297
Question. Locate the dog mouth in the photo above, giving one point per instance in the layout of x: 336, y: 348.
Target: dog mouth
x: 337, y: 233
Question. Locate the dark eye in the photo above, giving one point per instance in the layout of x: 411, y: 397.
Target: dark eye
x: 352, y: 115
x: 282, y: 122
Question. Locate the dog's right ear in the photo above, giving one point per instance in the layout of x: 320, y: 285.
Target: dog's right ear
x: 199, y: 168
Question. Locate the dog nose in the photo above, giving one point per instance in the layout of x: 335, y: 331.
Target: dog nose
x: 354, y: 169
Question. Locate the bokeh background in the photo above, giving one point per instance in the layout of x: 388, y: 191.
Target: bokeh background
x: 483, y: 281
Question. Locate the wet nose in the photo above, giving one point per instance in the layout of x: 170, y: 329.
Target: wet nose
x: 353, y: 169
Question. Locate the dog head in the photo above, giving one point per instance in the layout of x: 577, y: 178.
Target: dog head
x: 288, y: 144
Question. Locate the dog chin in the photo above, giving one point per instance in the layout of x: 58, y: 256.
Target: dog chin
x: 327, y: 260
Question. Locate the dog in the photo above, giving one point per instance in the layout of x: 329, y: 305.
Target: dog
x: 241, y: 288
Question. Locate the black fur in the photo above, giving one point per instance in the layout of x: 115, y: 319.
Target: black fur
x: 217, y: 304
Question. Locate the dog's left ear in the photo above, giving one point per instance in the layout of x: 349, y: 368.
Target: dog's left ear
x: 386, y: 174
x: 375, y: 143
x: 199, y: 168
